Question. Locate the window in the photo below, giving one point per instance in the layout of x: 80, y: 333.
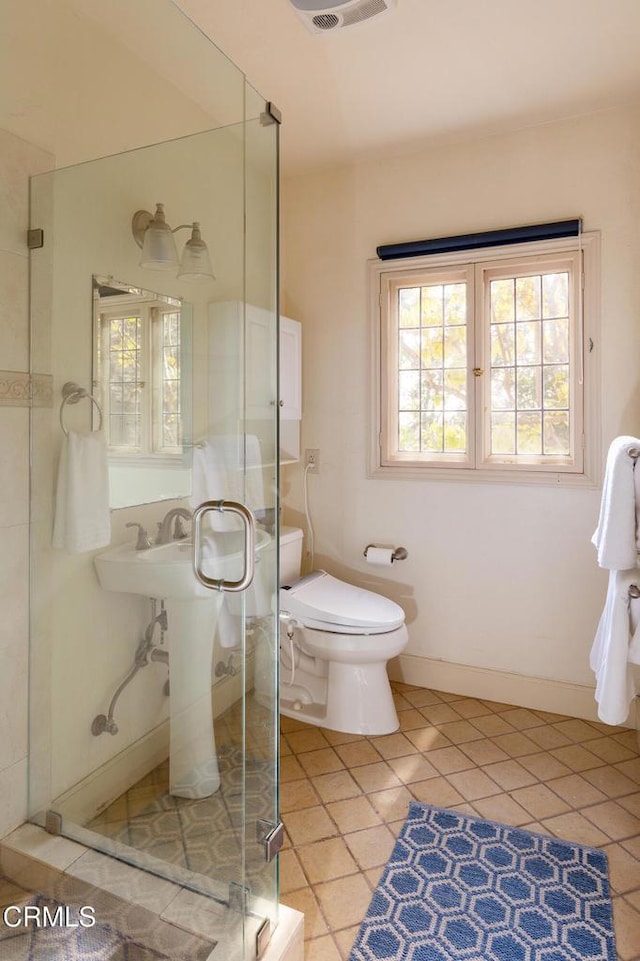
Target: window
x: 138, y: 375
x: 480, y: 364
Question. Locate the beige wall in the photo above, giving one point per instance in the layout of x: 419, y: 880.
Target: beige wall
x: 500, y: 579
x: 18, y: 159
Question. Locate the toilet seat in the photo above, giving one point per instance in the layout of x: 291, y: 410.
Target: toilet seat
x: 323, y: 602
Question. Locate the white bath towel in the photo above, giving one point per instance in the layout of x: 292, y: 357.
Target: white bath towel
x: 634, y: 618
x: 609, y: 659
x: 82, y: 519
x: 636, y: 485
x: 616, y: 534
x: 219, y: 474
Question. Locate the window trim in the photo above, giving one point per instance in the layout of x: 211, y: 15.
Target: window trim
x: 588, y: 437
x: 395, y: 280
x: 489, y: 270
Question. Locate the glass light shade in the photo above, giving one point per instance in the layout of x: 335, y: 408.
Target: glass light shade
x: 196, y: 263
x: 159, y: 247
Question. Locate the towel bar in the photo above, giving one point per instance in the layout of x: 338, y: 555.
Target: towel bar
x: 71, y: 394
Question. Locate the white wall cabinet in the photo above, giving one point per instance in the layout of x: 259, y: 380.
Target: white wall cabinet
x: 290, y: 369
x: 236, y: 331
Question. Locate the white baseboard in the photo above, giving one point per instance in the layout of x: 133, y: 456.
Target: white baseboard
x: 537, y: 693
x: 97, y: 790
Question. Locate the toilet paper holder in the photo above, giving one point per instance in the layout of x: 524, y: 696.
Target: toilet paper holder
x: 399, y: 554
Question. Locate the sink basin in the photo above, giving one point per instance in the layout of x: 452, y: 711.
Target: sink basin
x: 166, y: 570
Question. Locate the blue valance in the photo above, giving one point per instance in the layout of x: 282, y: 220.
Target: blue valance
x: 488, y: 238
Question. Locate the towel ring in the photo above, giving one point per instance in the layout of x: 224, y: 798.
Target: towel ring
x: 71, y: 394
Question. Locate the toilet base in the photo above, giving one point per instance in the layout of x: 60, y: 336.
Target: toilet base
x: 352, y: 698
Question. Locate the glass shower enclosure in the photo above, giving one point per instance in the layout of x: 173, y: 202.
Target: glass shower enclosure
x: 153, y: 664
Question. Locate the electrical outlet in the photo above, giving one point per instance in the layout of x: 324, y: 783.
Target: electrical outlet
x: 312, y: 460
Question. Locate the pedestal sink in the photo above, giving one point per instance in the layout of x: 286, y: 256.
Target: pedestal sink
x: 165, y: 572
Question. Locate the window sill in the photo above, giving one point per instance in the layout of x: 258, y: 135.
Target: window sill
x: 558, y: 479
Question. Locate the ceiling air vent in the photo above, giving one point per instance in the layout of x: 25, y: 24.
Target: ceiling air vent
x: 326, y: 21
x: 320, y: 17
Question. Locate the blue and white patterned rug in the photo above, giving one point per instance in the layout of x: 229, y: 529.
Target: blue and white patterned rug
x: 459, y: 888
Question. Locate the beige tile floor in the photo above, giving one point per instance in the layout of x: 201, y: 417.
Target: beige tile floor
x: 344, y: 798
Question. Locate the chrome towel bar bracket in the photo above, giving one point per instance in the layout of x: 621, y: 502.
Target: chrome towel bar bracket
x: 71, y: 394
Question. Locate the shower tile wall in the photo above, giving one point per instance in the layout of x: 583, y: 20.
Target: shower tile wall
x: 18, y: 160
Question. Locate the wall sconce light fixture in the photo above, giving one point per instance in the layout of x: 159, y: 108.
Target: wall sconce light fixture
x: 155, y: 236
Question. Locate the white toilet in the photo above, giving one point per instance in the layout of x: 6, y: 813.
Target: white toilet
x: 335, y: 641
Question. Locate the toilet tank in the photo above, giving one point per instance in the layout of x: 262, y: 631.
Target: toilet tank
x: 290, y: 554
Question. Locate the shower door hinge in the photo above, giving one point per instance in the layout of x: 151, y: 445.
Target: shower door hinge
x: 270, y: 114
x: 271, y: 836
x: 35, y: 238
x: 53, y: 822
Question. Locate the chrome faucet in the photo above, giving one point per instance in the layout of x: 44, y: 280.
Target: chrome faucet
x: 143, y: 542
x: 165, y: 534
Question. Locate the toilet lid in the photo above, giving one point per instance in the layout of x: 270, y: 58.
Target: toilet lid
x: 321, y: 600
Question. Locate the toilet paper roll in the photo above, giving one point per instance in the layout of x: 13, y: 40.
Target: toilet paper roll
x: 382, y: 556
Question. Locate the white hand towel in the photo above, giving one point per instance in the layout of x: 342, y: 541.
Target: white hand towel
x: 636, y: 487
x: 615, y: 535
x: 609, y: 658
x: 82, y: 520
x: 228, y: 467
x: 254, y: 478
x: 634, y: 614
x: 214, y: 478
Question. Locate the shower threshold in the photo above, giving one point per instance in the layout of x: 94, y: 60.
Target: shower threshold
x: 131, y: 906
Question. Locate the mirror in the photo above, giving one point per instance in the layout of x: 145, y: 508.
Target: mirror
x: 142, y: 381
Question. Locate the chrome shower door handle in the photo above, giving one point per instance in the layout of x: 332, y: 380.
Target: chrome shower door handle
x: 231, y: 507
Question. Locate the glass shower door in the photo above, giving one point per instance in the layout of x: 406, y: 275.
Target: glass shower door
x: 153, y: 697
